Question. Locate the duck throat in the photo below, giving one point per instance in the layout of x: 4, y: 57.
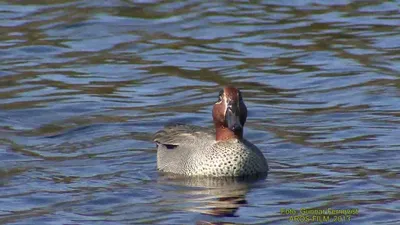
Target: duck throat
x: 224, y: 133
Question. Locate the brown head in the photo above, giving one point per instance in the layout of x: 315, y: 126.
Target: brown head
x: 229, y: 114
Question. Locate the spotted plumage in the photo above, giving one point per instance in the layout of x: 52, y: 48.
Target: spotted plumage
x: 197, y: 151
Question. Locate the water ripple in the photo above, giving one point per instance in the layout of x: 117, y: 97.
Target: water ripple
x: 85, y: 84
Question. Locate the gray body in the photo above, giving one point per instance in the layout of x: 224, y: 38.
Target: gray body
x: 193, y: 151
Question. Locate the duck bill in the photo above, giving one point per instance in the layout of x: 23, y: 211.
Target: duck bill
x: 232, y: 118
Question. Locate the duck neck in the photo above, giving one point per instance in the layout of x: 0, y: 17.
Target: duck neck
x: 223, y: 133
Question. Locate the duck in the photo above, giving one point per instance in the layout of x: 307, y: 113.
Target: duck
x: 196, y: 151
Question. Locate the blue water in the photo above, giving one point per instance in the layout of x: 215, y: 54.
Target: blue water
x: 85, y: 84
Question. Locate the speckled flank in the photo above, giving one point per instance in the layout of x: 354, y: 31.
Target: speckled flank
x: 228, y: 158
x: 198, y: 154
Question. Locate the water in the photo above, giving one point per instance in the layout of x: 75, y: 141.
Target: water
x: 85, y: 84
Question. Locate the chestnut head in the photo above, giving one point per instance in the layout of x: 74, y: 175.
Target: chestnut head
x: 230, y: 111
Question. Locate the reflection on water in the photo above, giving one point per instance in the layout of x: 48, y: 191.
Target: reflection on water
x: 85, y: 84
x: 220, y: 197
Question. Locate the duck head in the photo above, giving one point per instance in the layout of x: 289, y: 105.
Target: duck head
x: 229, y: 114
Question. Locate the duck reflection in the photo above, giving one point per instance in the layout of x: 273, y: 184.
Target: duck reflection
x: 220, y: 197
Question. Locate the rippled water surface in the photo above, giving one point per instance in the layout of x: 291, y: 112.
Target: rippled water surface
x: 85, y: 84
